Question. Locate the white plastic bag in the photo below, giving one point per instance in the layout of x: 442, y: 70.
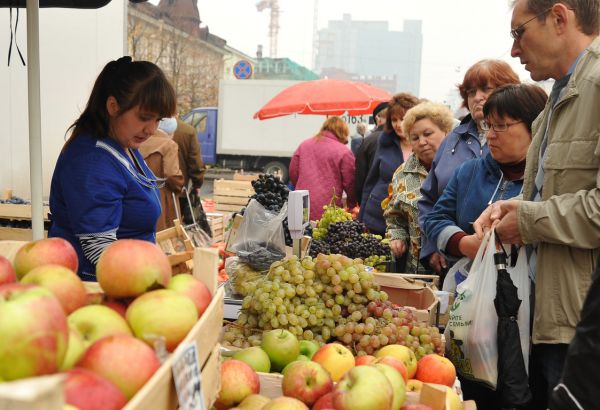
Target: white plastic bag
x: 471, y: 333
x: 459, y: 270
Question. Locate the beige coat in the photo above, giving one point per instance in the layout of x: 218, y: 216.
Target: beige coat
x: 161, y: 154
x: 566, y: 223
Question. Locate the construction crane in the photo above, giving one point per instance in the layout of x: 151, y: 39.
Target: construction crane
x: 273, y: 24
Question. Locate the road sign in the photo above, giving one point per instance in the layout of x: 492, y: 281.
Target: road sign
x: 242, y: 70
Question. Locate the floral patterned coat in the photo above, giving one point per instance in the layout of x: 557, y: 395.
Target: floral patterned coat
x: 400, y: 209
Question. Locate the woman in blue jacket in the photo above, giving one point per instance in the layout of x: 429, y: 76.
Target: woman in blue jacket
x: 509, y: 112
x: 392, y: 149
x: 102, y: 190
x: 467, y: 141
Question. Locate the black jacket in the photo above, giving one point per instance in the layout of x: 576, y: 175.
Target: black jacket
x: 580, y: 385
x: 364, y: 160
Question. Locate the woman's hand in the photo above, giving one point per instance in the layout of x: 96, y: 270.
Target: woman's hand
x: 398, y: 247
x: 437, y: 262
x: 468, y: 246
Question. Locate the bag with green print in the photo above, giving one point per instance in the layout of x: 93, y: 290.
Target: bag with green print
x: 471, y: 333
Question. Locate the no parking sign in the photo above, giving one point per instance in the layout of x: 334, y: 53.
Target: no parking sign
x: 242, y: 70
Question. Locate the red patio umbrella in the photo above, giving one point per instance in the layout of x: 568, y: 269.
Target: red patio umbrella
x: 324, y: 97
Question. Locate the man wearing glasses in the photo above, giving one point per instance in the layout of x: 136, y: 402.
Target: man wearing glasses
x: 558, y: 217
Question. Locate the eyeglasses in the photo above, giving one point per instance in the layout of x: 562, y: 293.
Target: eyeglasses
x: 471, y: 92
x: 486, y: 126
x: 517, y: 32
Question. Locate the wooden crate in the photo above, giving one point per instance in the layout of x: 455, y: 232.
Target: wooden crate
x: 17, y: 234
x: 241, y: 176
x: 414, y: 294
x: 231, y: 196
x: 178, y: 247
x: 9, y: 249
x: 19, y: 211
x: 159, y: 392
x: 216, y: 221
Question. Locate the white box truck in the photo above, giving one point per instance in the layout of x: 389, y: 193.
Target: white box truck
x: 230, y: 137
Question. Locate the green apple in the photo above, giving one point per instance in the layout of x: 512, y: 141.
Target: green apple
x: 363, y: 387
x: 281, y: 346
x: 308, y: 348
x: 255, y: 357
x: 397, y: 382
x: 254, y: 402
x: 93, y: 322
x: 75, y: 349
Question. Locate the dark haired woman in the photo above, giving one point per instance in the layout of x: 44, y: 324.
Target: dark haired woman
x: 467, y: 141
x: 102, y: 190
x: 509, y: 113
x: 392, y: 150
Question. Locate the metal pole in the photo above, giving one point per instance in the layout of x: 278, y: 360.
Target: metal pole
x: 35, y: 126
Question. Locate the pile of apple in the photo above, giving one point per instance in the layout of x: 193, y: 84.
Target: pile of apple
x: 108, y: 349
x: 328, y: 298
x: 330, y: 377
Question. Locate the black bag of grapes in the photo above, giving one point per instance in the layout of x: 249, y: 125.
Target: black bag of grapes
x: 260, y: 240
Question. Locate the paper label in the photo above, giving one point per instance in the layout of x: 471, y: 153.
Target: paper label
x: 186, y: 374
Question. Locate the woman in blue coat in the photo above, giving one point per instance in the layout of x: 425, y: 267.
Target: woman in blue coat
x: 392, y: 149
x: 102, y: 190
x: 467, y: 141
x: 509, y: 113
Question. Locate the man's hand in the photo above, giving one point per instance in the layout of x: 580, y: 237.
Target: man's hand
x: 398, y: 247
x: 469, y: 245
x: 437, y: 262
x: 503, y: 216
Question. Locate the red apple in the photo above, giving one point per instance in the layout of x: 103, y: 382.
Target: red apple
x: 162, y: 312
x: 397, y: 382
x: 123, y: 360
x: 62, y: 282
x: 194, y: 289
x: 434, y: 368
x: 119, y: 306
x: 130, y: 267
x: 335, y: 358
x: 395, y: 363
x: 306, y: 381
x: 87, y: 390
x: 238, y: 381
x: 7, y: 272
x: 285, y: 403
x: 44, y: 252
x: 325, y: 402
x: 415, y: 407
x: 364, y: 360
x: 404, y: 354
x: 363, y: 387
x: 33, y: 332
x: 94, y: 322
x: 281, y: 346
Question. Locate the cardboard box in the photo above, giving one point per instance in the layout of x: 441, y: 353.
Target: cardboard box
x: 414, y: 294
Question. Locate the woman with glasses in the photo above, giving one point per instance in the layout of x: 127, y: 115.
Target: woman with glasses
x: 509, y: 113
x: 466, y: 141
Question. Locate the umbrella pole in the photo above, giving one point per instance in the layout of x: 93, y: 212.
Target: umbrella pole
x: 35, y: 127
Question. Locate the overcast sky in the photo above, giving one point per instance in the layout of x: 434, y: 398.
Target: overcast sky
x: 456, y: 33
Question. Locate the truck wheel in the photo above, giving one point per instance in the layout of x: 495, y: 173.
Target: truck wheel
x: 276, y: 168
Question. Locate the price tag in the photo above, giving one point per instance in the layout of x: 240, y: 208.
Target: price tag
x: 186, y: 373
